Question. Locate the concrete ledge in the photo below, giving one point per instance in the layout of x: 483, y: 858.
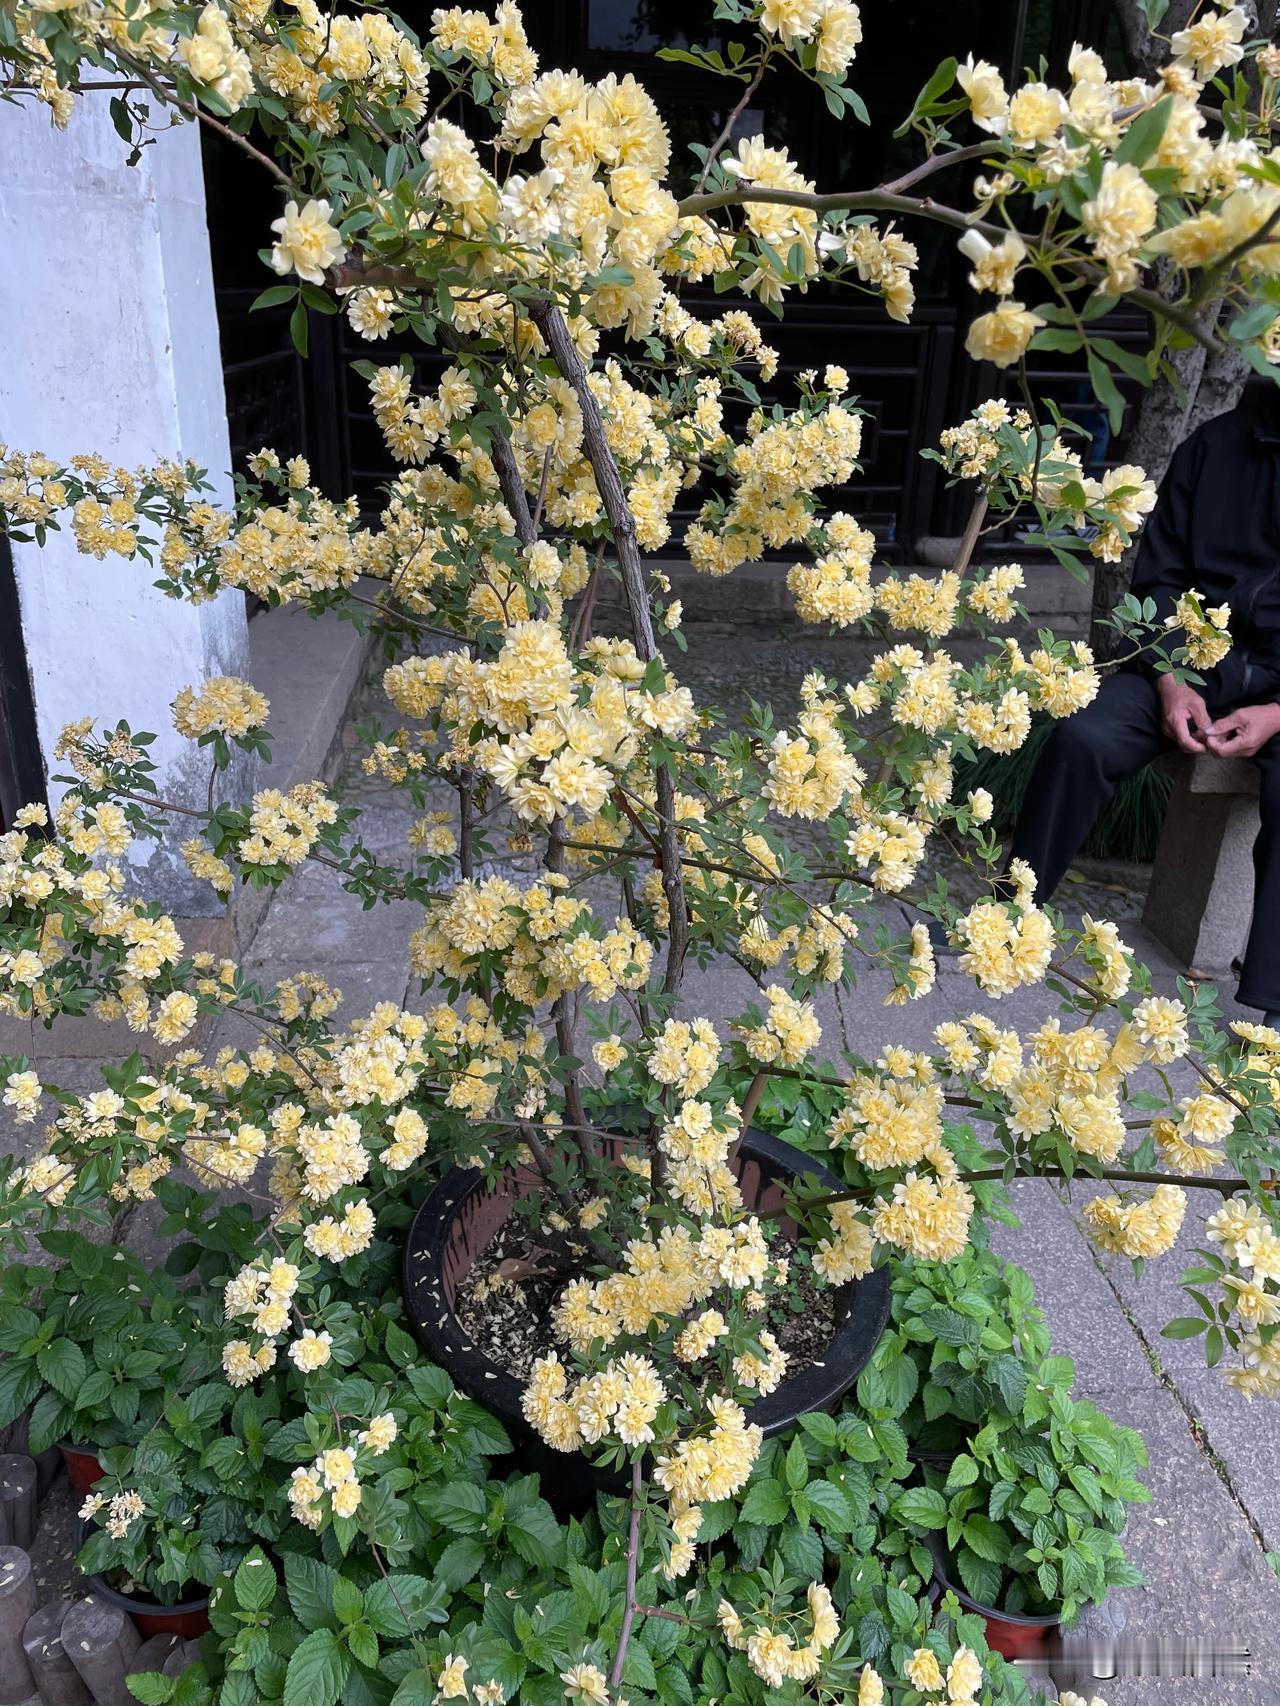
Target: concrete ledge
x: 757, y: 593
x: 1200, y: 902
x: 1201, y: 773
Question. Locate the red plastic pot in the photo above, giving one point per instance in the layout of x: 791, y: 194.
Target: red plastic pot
x: 82, y: 1465
x: 189, y: 1619
x: 1011, y: 1633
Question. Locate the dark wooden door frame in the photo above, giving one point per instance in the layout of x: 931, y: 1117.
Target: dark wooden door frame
x: 22, y: 778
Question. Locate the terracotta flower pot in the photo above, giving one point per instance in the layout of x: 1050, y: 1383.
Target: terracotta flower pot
x: 188, y: 1619
x: 1012, y: 1633
x: 82, y: 1464
x: 459, y: 1219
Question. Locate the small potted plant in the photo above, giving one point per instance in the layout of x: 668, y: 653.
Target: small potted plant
x: 171, y: 1514
x: 969, y: 1327
x: 1025, y: 1525
x: 93, y: 1348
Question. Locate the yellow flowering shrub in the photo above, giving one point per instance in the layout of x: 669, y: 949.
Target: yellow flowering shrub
x: 535, y: 472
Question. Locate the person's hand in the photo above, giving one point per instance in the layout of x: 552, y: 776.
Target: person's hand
x: 1244, y: 732
x: 1186, y: 717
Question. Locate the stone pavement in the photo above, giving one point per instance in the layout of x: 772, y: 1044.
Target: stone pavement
x: 1203, y: 1540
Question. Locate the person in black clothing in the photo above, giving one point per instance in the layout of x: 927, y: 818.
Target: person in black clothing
x: 1215, y: 527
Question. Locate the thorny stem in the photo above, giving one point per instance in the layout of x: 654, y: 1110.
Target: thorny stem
x: 633, y: 1562
x: 713, y: 153
x: 563, y: 1015
x: 466, y: 825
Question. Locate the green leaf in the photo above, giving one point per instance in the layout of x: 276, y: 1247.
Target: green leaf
x: 62, y: 1364
x: 830, y: 1504
x: 797, y: 1467
x: 431, y: 1385
x: 316, y: 1671
x: 922, y: 1507
x: 766, y: 1503
x: 298, y: 328
x: 20, y: 1385
x: 962, y: 1473
x: 401, y: 1349
x: 401, y: 1605
x: 1184, y: 1327
x: 460, y: 1561
x: 1154, y: 11
x: 1106, y: 391
x: 273, y: 296
x: 309, y: 1584
x: 1143, y: 136
x: 416, y: 1689
x: 981, y: 1579
x: 1055, y: 339
x: 986, y: 1538
x: 348, y: 1601
x: 1010, y: 1378
x: 535, y: 1534
x: 150, y: 1687
x: 255, y: 1582
x: 936, y: 87
x: 801, y: 1551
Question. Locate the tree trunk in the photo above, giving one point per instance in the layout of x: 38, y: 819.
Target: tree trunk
x: 1207, y: 384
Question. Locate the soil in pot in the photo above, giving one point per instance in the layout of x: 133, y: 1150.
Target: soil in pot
x: 461, y: 1219
x: 188, y: 1619
x: 1017, y: 1635
x: 504, y: 1304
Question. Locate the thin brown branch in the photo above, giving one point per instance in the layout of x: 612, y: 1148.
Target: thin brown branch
x: 551, y: 323
x: 633, y: 1563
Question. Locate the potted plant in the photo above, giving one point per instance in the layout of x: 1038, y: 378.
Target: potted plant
x: 1025, y: 1526
x: 94, y: 1347
x: 172, y: 1513
x: 971, y: 1328
x: 464, y: 1215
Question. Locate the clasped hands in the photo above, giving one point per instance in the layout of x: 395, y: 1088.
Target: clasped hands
x: 1187, y: 722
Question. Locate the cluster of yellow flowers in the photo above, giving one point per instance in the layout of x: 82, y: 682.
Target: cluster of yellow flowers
x: 1248, y: 1241
x: 553, y: 737
x: 1052, y: 133
x: 299, y: 56
x: 223, y: 704
x: 1129, y: 1225
x: 661, y: 1279
x: 621, y: 1400
x: 549, y: 942
x: 330, y: 1486
x: 881, y: 260
x: 283, y: 828
x: 789, y: 1033
x: 1208, y: 639
x: 1006, y: 451
x: 774, y: 470
x: 774, y: 1654
x: 1006, y: 944
x: 812, y: 773
x: 59, y: 905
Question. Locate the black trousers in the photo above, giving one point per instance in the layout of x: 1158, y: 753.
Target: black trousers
x: 1089, y: 753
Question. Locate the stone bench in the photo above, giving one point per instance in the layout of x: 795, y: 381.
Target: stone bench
x: 1201, y: 897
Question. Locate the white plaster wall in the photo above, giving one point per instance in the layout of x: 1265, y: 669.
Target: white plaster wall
x: 109, y: 342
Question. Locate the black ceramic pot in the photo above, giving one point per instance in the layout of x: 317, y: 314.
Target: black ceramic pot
x: 455, y: 1225
x: 188, y: 1620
